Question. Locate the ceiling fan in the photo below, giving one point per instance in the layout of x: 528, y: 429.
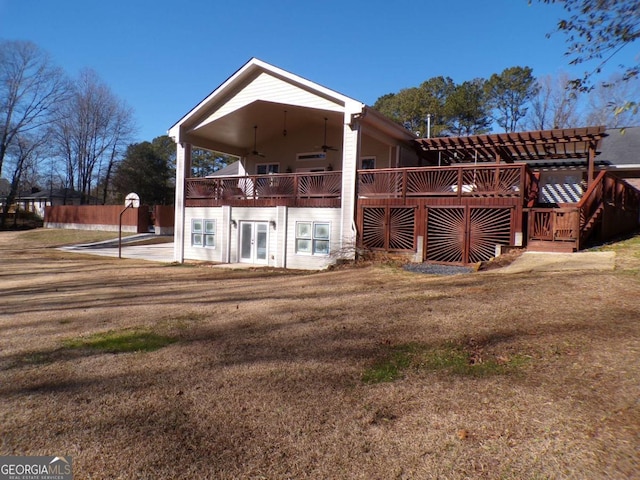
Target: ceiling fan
x: 324, y: 145
x: 255, y: 151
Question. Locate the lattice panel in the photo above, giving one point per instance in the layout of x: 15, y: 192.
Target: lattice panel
x: 373, y: 231
x: 424, y: 182
x: 401, y: 228
x: 274, y: 187
x: 446, y: 235
x: 542, y: 228
x: 478, y: 180
x: 488, y: 227
x: 319, y: 185
x: 379, y: 183
x: 509, y: 181
x: 201, y: 188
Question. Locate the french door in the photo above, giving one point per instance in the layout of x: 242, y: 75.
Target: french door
x: 253, y: 242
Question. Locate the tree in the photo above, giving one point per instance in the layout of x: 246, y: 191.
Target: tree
x: 31, y: 88
x: 147, y: 169
x: 555, y: 105
x: 25, y: 151
x: 406, y: 107
x: 604, y: 98
x: 508, y: 94
x: 90, y: 132
x: 411, y: 106
x: 467, y: 109
x: 206, y: 162
x: 597, y: 30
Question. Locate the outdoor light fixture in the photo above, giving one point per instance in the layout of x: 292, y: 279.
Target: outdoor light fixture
x: 273, y: 224
x: 233, y: 223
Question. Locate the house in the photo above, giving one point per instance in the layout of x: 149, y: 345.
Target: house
x: 321, y: 175
x: 300, y: 145
x: 35, y: 200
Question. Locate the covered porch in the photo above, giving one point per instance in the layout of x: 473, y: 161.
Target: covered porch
x: 299, y: 146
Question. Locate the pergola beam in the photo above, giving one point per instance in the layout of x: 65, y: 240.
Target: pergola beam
x: 520, y: 146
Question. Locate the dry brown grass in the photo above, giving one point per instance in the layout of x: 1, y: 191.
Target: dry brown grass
x: 266, y: 377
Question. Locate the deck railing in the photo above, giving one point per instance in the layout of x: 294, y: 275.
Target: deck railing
x: 454, y: 181
x: 291, y: 189
x: 325, y: 188
x: 573, y: 225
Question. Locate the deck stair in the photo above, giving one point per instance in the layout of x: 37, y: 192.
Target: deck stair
x: 591, y: 223
x: 609, y: 207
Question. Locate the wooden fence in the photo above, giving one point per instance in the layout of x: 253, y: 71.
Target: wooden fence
x: 97, y: 217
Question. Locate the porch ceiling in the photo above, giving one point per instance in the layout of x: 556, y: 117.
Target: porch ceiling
x: 536, y: 145
x: 234, y: 133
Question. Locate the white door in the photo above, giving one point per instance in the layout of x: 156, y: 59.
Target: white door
x: 253, y: 242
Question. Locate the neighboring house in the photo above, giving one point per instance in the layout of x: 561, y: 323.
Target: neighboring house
x: 5, y: 187
x: 321, y: 175
x: 231, y: 170
x: 36, y: 202
x: 620, y: 153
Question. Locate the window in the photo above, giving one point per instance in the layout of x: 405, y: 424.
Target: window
x: 312, y: 238
x: 368, y: 163
x: 203, y: 233
x: 311, y: 156
x: 266, y: 168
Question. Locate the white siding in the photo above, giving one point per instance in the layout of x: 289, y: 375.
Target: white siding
x: 281, y: 239
x: 313, y: 262
x: 208, y: 254
x: 371, y: 147
x: 266, y: 87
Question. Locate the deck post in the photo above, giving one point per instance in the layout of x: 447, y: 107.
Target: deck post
x: 591, y: 167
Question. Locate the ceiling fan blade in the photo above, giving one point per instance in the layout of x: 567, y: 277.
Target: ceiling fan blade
x: 255, y: 151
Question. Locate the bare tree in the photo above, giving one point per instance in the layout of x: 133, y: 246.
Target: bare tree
x: 31, y: 88
x: 555, y: 105
x: 92, y: 130
x: 25, y: 151
x: 605, y: 99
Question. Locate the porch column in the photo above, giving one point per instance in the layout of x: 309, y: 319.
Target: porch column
x: 350, y: 152
x: 183, y: 169
x: 591, y: 166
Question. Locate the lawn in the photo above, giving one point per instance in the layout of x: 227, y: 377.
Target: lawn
x: 145, y: 370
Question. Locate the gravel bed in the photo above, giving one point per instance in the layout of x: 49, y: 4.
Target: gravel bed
x: 437, y: 269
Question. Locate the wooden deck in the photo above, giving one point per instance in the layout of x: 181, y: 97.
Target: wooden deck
x: 453, y: 214
x: 608, y: 208
x: 321, y: 189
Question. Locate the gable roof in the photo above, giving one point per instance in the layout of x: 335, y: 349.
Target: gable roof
x: 257, y: 95
x: 259, y: 79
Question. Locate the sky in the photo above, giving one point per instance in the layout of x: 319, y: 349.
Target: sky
x: 162, y: 58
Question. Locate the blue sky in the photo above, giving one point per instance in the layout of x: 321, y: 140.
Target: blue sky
x: 163, y: 57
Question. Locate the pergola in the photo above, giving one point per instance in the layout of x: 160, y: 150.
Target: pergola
x: 539, y: 145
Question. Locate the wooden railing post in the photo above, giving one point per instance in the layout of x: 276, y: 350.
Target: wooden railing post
x: 404, y: 184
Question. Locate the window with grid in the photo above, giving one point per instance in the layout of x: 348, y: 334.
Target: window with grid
x: 203, y: 232
x: 312, y: 238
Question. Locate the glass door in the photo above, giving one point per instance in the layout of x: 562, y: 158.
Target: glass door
x: 254, y: 242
